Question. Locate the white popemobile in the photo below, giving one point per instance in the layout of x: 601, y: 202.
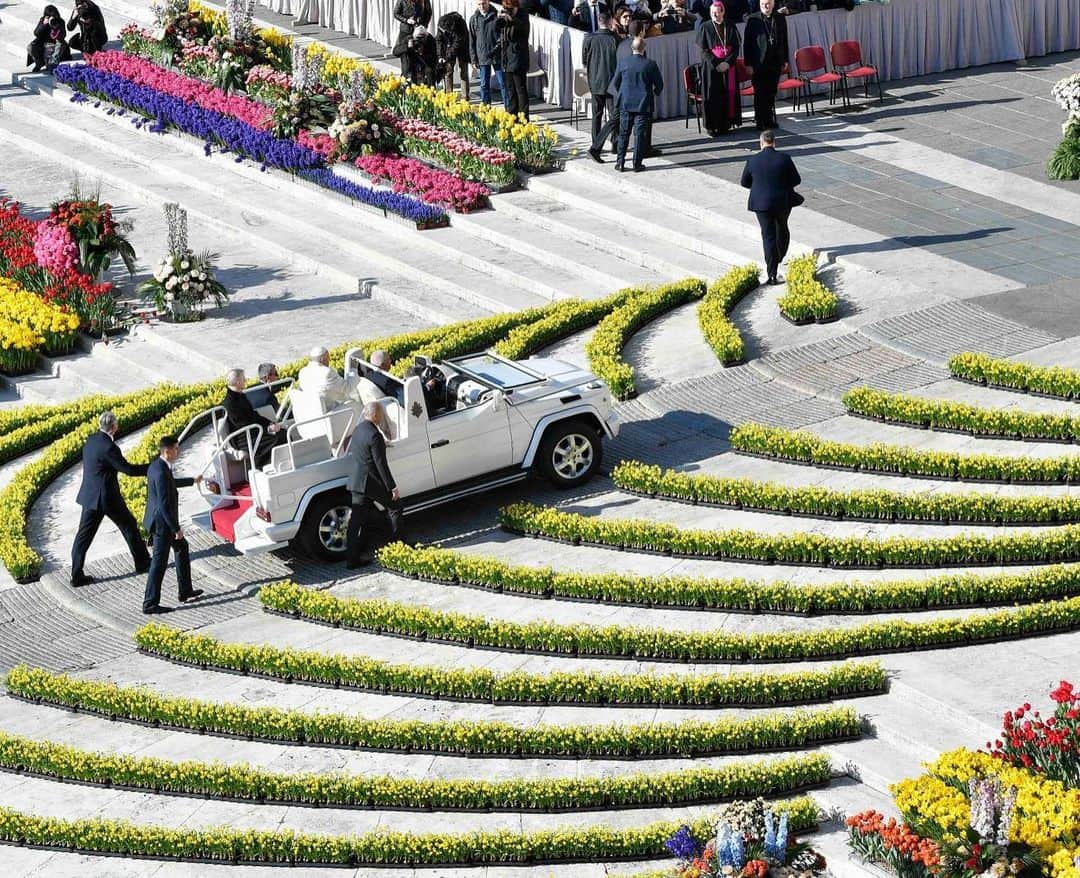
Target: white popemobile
x: 455, y: 428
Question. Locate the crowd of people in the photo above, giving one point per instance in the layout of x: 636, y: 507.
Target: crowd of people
x: 51, y: 46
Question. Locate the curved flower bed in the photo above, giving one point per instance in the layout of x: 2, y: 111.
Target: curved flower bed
x: 487, y: 164
x: 724, y: 735
x: 216, y: 128
x: 807, y: 299
x: 1058, y: 382
x: 57, y: 326
x: 186, y: 88
x: 723, y: 295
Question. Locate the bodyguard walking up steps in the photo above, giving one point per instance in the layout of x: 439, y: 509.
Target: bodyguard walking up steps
x: 162, y: 522
x: 771, y: 177
x: 370, y: 482
x: 99, y: 496
x: 636, y: 84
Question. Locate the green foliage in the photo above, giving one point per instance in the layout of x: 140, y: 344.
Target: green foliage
x: 963, y: 550
x: 243, y: 782
x: 1064, y: 162
x: 691, y: 593
x: 1055, y: 381
x: 723, y: 295
x: 697, y: 737
x: 874, y: 505
x: 515, y: 687
x: 604, y: 349
x: 804, y: 447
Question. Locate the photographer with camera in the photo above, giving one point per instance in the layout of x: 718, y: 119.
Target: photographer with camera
x: 49, y: 46
x: 90, y: 23
x: 513, y: 24
x: 409, y: 14
x: 420, y: 58
x: 674, y: 17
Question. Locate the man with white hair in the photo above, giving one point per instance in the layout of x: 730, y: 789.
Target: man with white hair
x: 386, y: 383
x: 240, y: 413
x: 99, y: 496
x: 370, y: 482
x: 319, y: 377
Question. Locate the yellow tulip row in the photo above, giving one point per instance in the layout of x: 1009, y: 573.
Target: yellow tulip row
x: 56, y: 326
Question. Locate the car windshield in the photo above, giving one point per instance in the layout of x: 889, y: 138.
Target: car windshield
x: 498, y: 373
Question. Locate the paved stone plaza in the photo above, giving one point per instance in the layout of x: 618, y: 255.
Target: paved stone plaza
x: 940, y: 234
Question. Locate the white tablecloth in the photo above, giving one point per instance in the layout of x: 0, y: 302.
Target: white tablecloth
x: 902, y: 38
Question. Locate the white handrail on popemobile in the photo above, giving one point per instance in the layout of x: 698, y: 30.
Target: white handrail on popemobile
x: 252, y: 444
x: 350, y: 424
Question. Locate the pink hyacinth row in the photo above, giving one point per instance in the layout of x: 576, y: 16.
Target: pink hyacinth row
x: 54, y: 248
x: 150, y: 75
x: 430, y: 184
x: 454, y: 143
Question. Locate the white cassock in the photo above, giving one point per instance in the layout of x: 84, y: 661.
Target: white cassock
x: 325, y: 381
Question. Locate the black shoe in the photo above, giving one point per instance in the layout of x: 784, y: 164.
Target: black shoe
x: 196, y: 593
x: 80, y: 581
x: 156, y: 611
x: 595, y: 155
x: 638, y: 169
x: 364, y: 561
x: 654, y: 153
x: 619, y: 168
x: 142, y: 568
x: 774, y: 281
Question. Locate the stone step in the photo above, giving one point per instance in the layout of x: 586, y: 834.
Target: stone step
x: 625, y: 236
x: 149, y: 170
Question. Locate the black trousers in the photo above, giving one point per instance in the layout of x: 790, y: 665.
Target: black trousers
x: 640, y: 123
x: 159, y: 560
x: 365, y: 518
x: 79, y: 43
x: 775, y: 237
x: 601, y: 129
x: 88, y: 527
x: 519, y: 95
x: 765, y: 100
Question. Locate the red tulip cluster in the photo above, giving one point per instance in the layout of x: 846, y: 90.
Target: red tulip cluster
x: 1048, y: 746
x: 897, y: 839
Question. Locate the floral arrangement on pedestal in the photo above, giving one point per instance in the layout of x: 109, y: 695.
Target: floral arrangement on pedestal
x: 306, y: 106
x: 750, y: 842
x: 1011, y: 811
x: 1064, y: 163
x: 183, y: 282
x: 98, y: 236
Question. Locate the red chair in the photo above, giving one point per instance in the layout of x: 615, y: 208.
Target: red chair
x: 848, y: 54
x: 808, y: 61
x: 791, y: 84
x: 691, y: 77
x: 743, y: 76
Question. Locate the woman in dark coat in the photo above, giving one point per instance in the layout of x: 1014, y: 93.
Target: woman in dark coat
x: 89, y: 21
x: 453, y: 42
x: 719, y: 43
x: 408, y: 14
x: 514, y: 49
x: 49, y: 46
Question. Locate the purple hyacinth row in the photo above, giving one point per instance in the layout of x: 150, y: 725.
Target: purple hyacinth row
x: 238, y: 137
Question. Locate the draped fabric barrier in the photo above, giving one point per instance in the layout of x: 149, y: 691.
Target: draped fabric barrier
x: 903, y: 38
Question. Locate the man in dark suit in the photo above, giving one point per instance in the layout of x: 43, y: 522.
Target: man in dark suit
x: 268, y: 375
x: 599, y: 56
x: 240, y: 413
x: 586, y: 16
x: 771, y: 177
x: 370, y: 482
x: 636, y: 83
x: 389, y: 385
x: 99, y: 496
x: 162, y: 522
x: 765, y: 51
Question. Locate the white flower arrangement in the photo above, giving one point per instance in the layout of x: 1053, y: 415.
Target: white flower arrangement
x: 183, y: 281
x: 1067, y: 93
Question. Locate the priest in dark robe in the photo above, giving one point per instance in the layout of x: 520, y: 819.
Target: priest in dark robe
x: 718, y: 41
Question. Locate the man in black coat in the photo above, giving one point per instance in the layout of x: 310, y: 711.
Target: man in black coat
x: 586, y: 16
x: 88, y: 20
x: 240, y: 413
x: 162, y: 522
x: 636, y: 83
x: 765, y: 51
x: 99, y: 496
x: 514, y: 47
x: 409, y: 14
x: 771, y: 177
x: 369, y: 482
x: 599, y: 56
x: 452, y: 40
x: 484, y: 49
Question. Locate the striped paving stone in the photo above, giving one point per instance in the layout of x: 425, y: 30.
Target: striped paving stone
x: 949, y: 328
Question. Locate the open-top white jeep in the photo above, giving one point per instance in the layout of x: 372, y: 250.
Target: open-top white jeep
x: 455, y: 428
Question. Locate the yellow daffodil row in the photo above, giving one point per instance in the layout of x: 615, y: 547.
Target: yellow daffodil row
x: 807, y: 299
x: 1047, y: 813
x: 57, y: 326
x: 18, y: 347
x: 723, y: 295
x: 1056, y: 381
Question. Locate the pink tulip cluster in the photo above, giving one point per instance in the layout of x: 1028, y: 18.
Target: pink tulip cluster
x: 54, y: 248
x: 264, y: 73
x: 453, y: 143
x: 323, y: 144
x: 185, y: 88
x: 429, y: 184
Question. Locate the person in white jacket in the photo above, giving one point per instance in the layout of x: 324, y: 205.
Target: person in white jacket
x: 318, y: 377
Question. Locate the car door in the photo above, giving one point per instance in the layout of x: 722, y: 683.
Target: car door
x: 470, y: 442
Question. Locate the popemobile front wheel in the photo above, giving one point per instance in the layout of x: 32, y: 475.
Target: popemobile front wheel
x: 325, y: 527
x: 570, y: 454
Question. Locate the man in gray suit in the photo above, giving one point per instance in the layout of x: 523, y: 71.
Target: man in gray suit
x: 636, y: 83
x: 370, y: 482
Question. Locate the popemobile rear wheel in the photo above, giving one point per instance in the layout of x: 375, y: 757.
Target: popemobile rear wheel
x: 570, y: 454
x: 325, y: 524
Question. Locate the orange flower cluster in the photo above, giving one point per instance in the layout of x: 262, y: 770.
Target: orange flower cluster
x: 898, y: 837
x: 756, y: 869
